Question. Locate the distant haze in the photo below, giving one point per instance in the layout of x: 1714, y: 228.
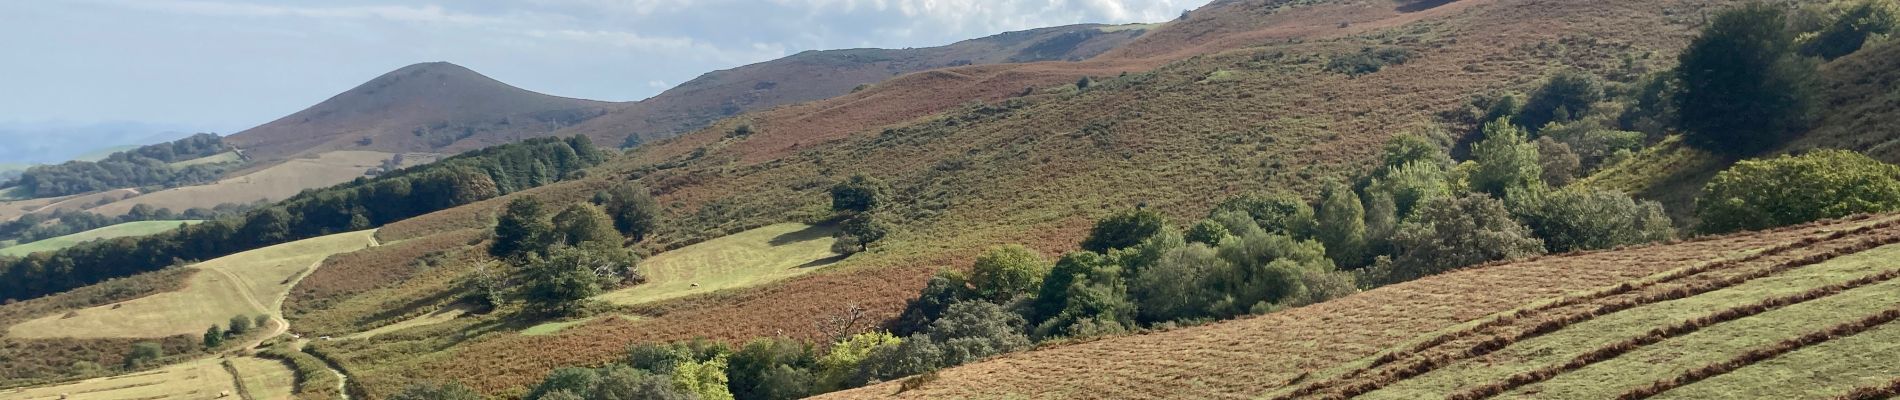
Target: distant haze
x: 227, y: 65
x: 54, y: 142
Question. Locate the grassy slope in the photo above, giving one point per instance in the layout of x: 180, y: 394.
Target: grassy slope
x: 201, y: 379
x: 140, y: 228
x: 274, y: 183
x: 248, y: 283
x: 265, y: 379
x: 744, y: 259
x: 225, y: 157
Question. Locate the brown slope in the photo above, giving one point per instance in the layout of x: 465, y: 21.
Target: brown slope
x: 430, y: 107
x: 814, y: 75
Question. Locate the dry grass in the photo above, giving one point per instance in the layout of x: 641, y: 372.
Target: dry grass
x: 248, y: 283
x: 1753, y: 356
x: 745, y: 259
x: 277, y: 182
x: 379, y: 286
x: 202, y: 379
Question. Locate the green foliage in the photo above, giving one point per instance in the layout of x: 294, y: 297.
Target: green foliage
x: 583, y: 223
x: 1407, y: 148
x: 1085, y: 295
x: 1653, y: 110
x: 942, y: 290
x: 240, y: 325
x: 1277, y: 212
x: 1787, y: 190
x: 1506, y: 160
x: 1592, y: 144
x: 1342, y: 225
x: 633, y: 209
x: 1368, y: 60
x: 1410, y: 185
x: 864, y: 229
x: 1455, y: 232
x: 705, y: 378
x: 145, y: 166
x: 1844, y: 30
x: 1208, y: 232
x: 446, y: 391
x: 1122, y: 230
x: 522, y: 229
x: 858, y: 194
x: 1559, y: 163
x: 1567, y: 95
x: 1005, y: 272
x: 1171, y: 289
x: 143, y: 354
x: 1743, y: 89
x: 561, y: 282
x: 1251, y: 272
x: 1582, y: 219
x: 213, y: 337
x: 972, y: 330
x: 771, y: 368
x: 839, y: 369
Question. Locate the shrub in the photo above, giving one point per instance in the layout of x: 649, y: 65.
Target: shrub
x: 914, y: 355
x: 1455, y: 232
x: 1787, y: 190
x: 1342, y: 224
x: 213, y: 337
x: 1587, y: 220
x: 1407, y: 148
x: 240, y: 325
x: 1368, y: 60
x: 1005, y: 272
x: 1208, y: 232
x: 858, y: 194
x: 1846, y: 30
x: 706, y: 378
x: 1653, y: 111
x: 1592, y: 144
x: 1122, y: 230
x: 838, y: 369
x: 1263, y: 270
x: 1505, y: 159
x: 561, y: 283
x: 972, y: 330
x: 1568, y: 94
x: 143, y: 354
x: 1743, y: 89
x: 1084, y: 295
x: 771, y: 368
x: 1172, y: 288
x: 1411, y: 184
x: 1560, y: 165
x: 447, y: 391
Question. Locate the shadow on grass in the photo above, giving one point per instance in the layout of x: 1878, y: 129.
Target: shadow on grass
x: 1422, y: 5
x: 810, y: 233
x: 822, y: 262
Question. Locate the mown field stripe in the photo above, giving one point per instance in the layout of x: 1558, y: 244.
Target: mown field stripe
x: 1753, y: 356
x: 1679, y: 329
x: 1348, y: 388
x: 1873, y: 392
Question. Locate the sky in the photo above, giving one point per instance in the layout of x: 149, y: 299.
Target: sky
x: 226, y: 65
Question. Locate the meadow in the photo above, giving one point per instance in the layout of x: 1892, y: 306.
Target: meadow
x: 744, y: 259
x: 207, y: 378
x: 249, y: 283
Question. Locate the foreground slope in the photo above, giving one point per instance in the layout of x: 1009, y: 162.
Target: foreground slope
x: 1362, y: 343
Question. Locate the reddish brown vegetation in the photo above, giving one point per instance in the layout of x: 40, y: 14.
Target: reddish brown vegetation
x: 31, y: 361
x: 349, y: 274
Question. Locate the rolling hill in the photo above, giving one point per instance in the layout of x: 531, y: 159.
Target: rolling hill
x: 140, y: 228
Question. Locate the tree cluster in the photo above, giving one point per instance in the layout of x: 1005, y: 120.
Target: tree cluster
x: 361, y: 204
x: 145, y: 166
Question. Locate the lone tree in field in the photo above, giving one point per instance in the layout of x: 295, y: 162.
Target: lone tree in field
x: 214, y: 337
x: 1743, y: 89
x: 858, y: 194
x: 521, y: 229
x: 1787, y: 190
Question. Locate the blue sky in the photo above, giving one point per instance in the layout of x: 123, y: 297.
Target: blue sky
x: 226, y: 65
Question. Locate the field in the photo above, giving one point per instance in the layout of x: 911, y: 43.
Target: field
x: 744, y: 259
x: 248, y: 283
x: 1458, y: 333
x: 140, y: 228
x: 225, y: 157
x: 206, y: 379
x: 14, y: 209
x: 273, y: 183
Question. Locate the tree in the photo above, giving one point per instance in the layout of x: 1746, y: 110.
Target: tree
x: 1568, y: 94
x: 771, y: 368
x: 1560, y: 165
x: 1084, y: 295
x: 566, y: 380
x: 1455, y: 232
x: 1122, y: 230
x: 240, y: 325
x: 213, y: 337
x: 838, y: 369
x: 972, y: 330
x: 1342, y: 224
x: 1207, y: 232
x: 143, y: 354
x: 582, y: 223
x: 446, y: 391
x: 1407, y: 148
x: 1005, y: 272
x: 561, y: 283
x: 864, y: 229
x: 857, y: 194
x: 521, y: 229
x: 1276, y: 212
x: 1506, y: 161
x: 943, y: 289
x: 1743, y: 89
x: 1173, y: 288
x: 1848, y: 29
x: 634, y: 210
x: 624, y: 383
x: 1580, y: 219
x: 1411, y: 184
x: 705, y: 378
x: 1787, y: 190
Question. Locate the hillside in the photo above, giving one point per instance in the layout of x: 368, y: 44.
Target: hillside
x: 140, y: 228
x: 431, y: 107
x: 820, y: 74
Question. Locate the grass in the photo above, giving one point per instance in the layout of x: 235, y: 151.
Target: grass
x: 140, y: 228
x: 225, y: 157
x: 744, y: 259
x: 1609, y: 378
x: 248, y: 283
x: 556, y: 327
x: 276, y: 182
x: 439, y: 316
x: 201, y: 379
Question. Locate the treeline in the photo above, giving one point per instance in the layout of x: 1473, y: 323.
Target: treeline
x: 145, y: 166
x: 34, y: 227
x: 361, y: 204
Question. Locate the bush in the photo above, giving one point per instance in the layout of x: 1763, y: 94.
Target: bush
x: 240, y: 325
x: 1172, y: 288
x: 771, y: 368
x: 213, y: 337
x: 1564, y: 97
x: 582, y: 223
x: 1003, y: 273
x: 942, y: 290
x: 633, y: 209
x: 1506, y: 160
x: 972, y: 330
x: 143, y: 354
x: 1208, y: 232
x: 561, y: 283
x: 1407, y: 148
x: 1455, y: 232
x: 1787, y: 190
x: 1410, y: 185
x: 1570, y: 220
x: 1560, y: 165
x: 858, y: 194
x: 839, y: 369
x: 1122, y: 230
x: 1368, y: 60
x: 1845, y: 30
x: 1592, y: 144
x: 1342, y: 225
x: 1277, y: 212
x: 1743, y: 89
